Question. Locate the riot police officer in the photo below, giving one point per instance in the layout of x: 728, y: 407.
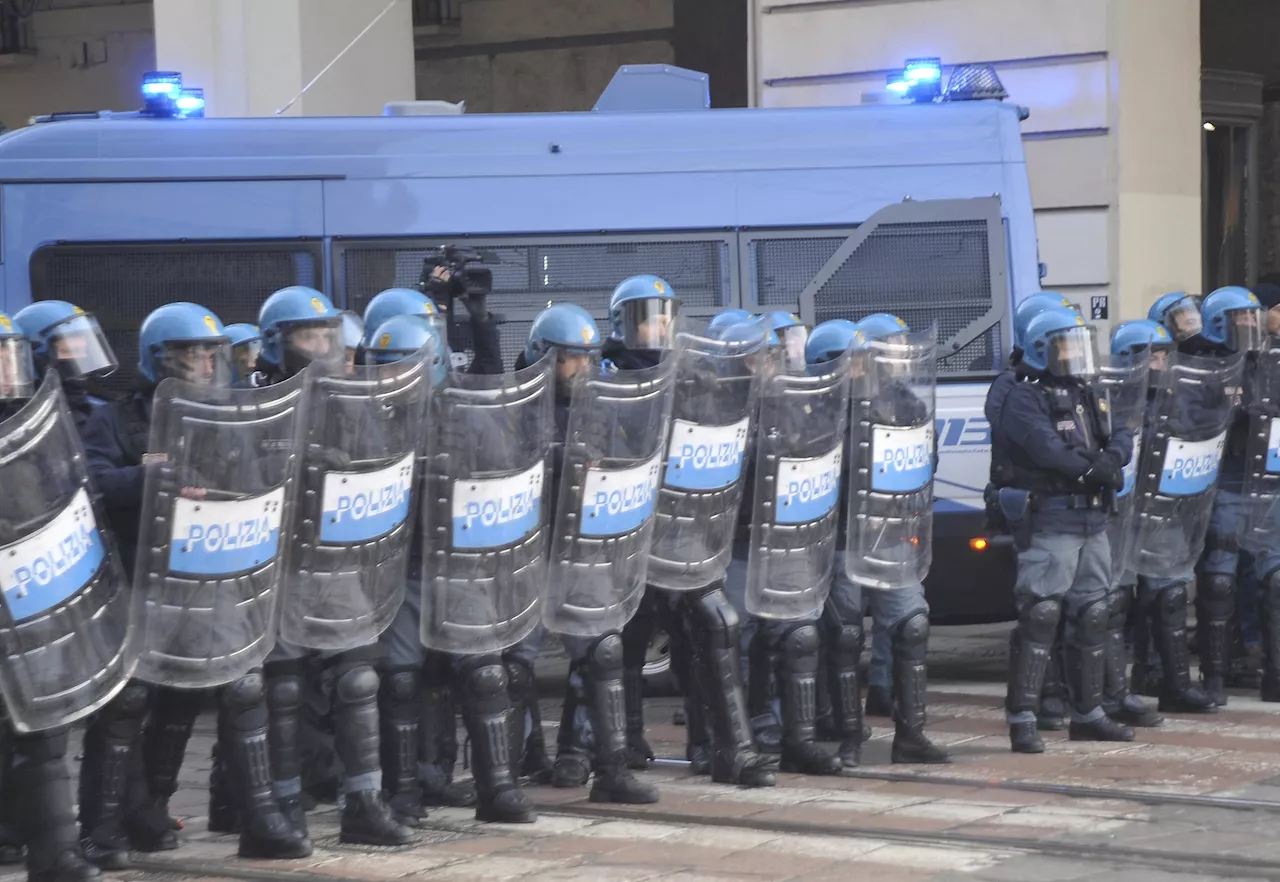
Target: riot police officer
x: 386, y: 305
x: 568, y: 334
x: 1179, y: 313
x: 900, y: 612
x: 780, y: 655
x: 187, y: 342
x: 34, y: 782
x: 1065, y: 463
x: 1233, y: 322
x: 301, y: 327
x: 246, y: 344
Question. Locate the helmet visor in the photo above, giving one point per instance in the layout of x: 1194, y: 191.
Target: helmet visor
x: 199, y: 362
x: 792, y: 341
x: 649, y: 324
x: 1183, y: 320
x: 244, y: 357
x: 17, y: 374
x: 1072, y: 352
x: 312, y: 342
x: 1244, y: 330
x: 79, y: 350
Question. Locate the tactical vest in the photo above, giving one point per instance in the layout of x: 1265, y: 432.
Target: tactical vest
x: 1082, y: 421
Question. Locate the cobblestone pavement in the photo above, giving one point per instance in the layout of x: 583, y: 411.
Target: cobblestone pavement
x: 991, y: 816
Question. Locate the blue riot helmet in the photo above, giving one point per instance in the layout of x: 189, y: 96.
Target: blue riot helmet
x: 352, y: 336
x: 790, y: 333
x: 571, y: 333
x: 1142, y: 338
x: 401, y: 336
x: 299, y: 327
x: 17, y: 368
x: 246, y: 345
x: 68, y: 339
x: 1233, y: 318
x: 829, y: 340
x: 642, y: 313
x: 1179, y: 312
x: 399, y: 301
x: 1061, y: 344
x: 883, y: 326
x: 1032, y: 306
x: 726, y: 317
x: 187, y: 342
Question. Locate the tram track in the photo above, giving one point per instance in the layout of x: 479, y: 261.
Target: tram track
x: 1072, y: 791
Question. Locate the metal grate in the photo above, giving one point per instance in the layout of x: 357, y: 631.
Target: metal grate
x: 529, y: 275
x: 121, y: 284
x: 921, y: 272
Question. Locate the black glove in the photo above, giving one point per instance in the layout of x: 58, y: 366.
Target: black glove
x: 1103, y: 473
x: 328, y: 458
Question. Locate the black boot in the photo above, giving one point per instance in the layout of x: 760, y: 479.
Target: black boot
x: 1144, y: 677
x: 1030, y: 648
x: 635, y: 646
x: 439, y: 727
x: 366, y: 817
x: 717, y: 661
x: 47, y: 821
x: 1086, y: 675
x: 1121, y: 705
x: 265, y: 830
x: 486, y: 709
x: 224, y: 802
x: 762, y: 664
x: 284, y: 699
x: 109, y: 742
x: 796, y: 675
x: 573, y: 759
x: 399, y: 709
x: 1178, y: 694
x: 1217, y: 604
x: 533, y: 760
x: 1052, y: 716
x: 844, y: 650
x: 606, y: 703
x: 164, y: 745
x: 910, y: 642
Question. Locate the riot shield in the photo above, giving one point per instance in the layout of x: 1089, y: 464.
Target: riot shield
x: 218, y: 496
x: 1121, y: 390
x: 486, y: 507
x: 349, y: 553
x: 605, y: 504
x: 891, y: 451
x: 1183, y: 443
x: 65, y: 644
x: 1261, y: 531
x: 800, y: 451
x: 712, y: 410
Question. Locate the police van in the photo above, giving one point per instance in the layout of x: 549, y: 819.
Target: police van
x: 918, y: 209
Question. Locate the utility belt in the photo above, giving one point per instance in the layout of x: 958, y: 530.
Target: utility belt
x: 1009, y: 509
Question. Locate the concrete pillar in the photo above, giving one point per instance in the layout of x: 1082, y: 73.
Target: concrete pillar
x: 1154, y: 54
x: 252, y: 56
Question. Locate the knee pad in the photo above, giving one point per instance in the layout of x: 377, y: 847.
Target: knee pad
x: 1091, y: 622
x: 519, y: 676
x: 358, y: 684
x: 1040, y: 621
x: 848, y: 642
x: 1218, y: 595
x: 913, y: 630
x: 1172, y: 600
x: 284, y: 693
x: 605, y: 654
x: 401, y: 684
x: 800, y: 639
x: 244, y: 693
x: 716, y: 619
x: 133, y: 700
x: 486, y: 681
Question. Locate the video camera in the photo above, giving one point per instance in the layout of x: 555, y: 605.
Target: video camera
x: 460, y: 280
